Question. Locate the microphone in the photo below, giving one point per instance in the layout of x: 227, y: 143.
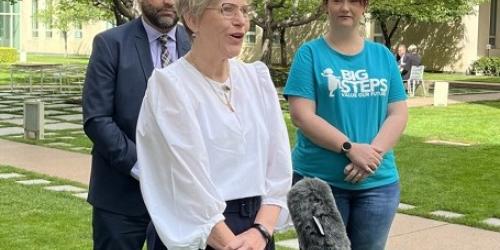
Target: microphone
x: 315, y: 216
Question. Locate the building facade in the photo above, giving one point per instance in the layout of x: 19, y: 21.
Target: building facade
x: 21, y: 29
x: 445, y: 46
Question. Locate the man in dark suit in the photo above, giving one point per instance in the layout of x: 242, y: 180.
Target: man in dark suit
x: 407, y: 60
x: 122, y: 60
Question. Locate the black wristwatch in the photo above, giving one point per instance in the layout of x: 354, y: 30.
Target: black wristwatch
x: 346, y: 146
x: 262, y: 230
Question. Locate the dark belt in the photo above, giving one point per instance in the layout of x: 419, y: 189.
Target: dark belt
x: 245, y: 207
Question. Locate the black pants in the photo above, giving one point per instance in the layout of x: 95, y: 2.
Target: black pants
x: 112, y: 231
x: 240, y: 215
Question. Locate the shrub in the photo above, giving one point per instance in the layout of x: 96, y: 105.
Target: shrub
x: 490, y: 66
x: 8, y: 55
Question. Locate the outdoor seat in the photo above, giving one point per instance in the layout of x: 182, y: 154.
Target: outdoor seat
x: 416, y: 78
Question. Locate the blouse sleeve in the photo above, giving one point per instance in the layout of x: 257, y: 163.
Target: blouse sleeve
x: 180, y: 197
x: 279, y: 165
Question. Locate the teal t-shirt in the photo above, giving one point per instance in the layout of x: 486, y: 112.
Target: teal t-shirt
x: 353, y: 94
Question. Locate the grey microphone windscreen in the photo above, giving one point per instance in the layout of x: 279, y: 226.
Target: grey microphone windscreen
x: 315, y: 216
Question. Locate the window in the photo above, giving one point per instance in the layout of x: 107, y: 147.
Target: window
x: 78, y: 31
x: 493, y: 22
x: 9, y: 25
x: 48, y: 26
x: 34, y: 18
x: 250, y: 37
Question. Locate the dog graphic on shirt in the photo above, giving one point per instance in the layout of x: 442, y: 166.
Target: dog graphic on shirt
x: 333, y: 82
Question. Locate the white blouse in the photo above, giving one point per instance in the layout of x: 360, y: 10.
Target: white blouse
x: 195, y: 153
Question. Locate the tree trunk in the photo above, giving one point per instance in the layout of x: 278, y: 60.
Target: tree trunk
x: 283, y: 61
x: 385, y: 32
x: 65, y: 36
x: 119, y: 18
x: 267, y: 34
x: 267, y: 46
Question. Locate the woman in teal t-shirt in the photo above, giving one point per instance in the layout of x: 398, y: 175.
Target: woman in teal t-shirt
x: 347, y: 99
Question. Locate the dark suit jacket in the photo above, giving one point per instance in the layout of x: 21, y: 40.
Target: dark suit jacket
x: 409, y: 60
x: 117, y: 74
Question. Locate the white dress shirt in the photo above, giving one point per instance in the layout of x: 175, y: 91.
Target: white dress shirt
x: 195, y: 153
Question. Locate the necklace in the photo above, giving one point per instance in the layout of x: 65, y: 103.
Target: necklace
x: 224, y: 93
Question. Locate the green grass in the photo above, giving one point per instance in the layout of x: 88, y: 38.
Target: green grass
x: 460, y: 77
x: 40, y: 58
x: 80, y: 141
x: 34, y: 218
x: 452, y: 178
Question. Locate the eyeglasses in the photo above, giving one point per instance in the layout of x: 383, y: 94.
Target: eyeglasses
x: 230, y: 10
x: 351, y: 2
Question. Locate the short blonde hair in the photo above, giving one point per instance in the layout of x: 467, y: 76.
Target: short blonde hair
x: 191, y: 7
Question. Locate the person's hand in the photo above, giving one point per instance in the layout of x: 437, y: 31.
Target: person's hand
x: 365, y: 156
x: 355, y: 174
x: 251, y: 239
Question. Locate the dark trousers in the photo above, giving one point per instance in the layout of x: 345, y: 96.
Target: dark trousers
x: 240, y: 215
x: 112, y: 231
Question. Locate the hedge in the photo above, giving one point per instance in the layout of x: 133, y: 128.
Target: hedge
x: 8, y: 55
x: 489, y: 66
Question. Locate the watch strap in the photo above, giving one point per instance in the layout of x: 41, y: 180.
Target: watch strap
x: 262, y: 230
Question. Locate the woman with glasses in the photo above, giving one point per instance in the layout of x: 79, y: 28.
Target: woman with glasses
x: 347, y: 100
x: 211, y: 140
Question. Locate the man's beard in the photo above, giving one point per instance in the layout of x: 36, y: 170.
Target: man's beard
x: 153, y: 16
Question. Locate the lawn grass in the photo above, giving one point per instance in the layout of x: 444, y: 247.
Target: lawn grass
x: 34, y: 218
x: 453, y: 178
x: 460, y: 77
x: 39, y: 58
x: 79, y: 143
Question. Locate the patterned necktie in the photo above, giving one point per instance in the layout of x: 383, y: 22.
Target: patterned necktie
x: 165, y: 59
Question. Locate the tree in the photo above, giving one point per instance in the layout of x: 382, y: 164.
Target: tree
x: 275, y: 16
x: 122, y: 10
x: 10, y: 1
x: 390, y: 14
x: 66, y: 14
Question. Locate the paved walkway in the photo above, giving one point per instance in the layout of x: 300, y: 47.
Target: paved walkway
x: 407, y: 232
x: 453, y: 99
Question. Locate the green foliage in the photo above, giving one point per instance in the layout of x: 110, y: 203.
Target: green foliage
x: 489, y: 66
x: 425, y: 11
x: 10, y: 1
x: 398, y: 12
x: 8, y: 55
x: 286, y: 9
x: 66, y: 14
x: 275, y: 16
